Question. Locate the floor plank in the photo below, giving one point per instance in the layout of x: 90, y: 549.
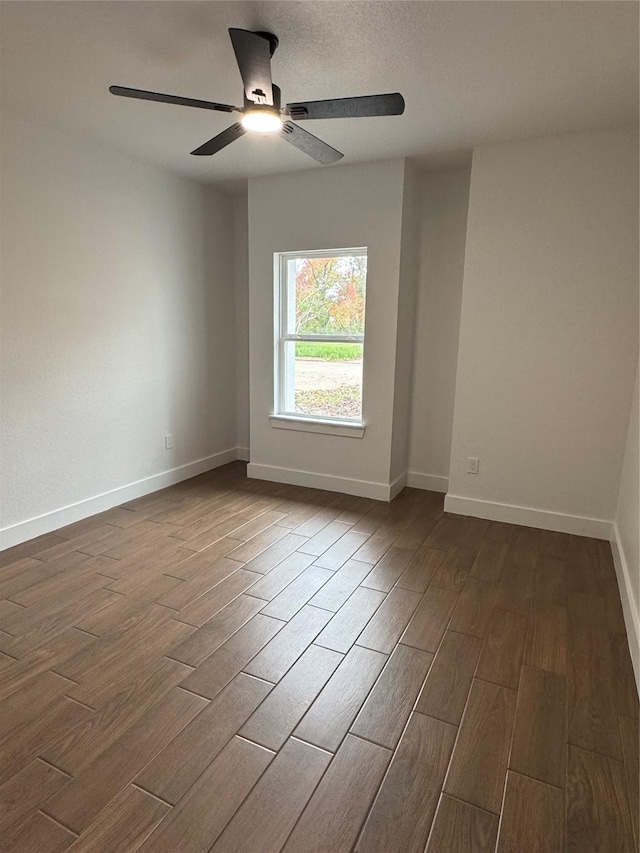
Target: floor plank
x: 626, y: 690
x: 515, y: 590
x: 403, y: 811
x: 280, y: 653
x: 312, y: 525
x: 550, y: 581
x: 110, y: 679
x: 267, y: 560
x: 338, y: 807
x: 446, y: 533
x: 489, y: 562
x: 593, y: 721
x: 631, y: 751
x: 210, y: 803
x: 540, y: 728
x: 430, y: 620
x: 389, y: 569
x: 330, y: 716
x: 446, y: 689
x: 199, y: 644
x: 453, y: 572
x: 188, y: 591
x: 24, y: 793
x: 285, y: 605
x: 328, y: 536
x: 344, y: 628
x: 8, y: 608
x: 48, y: 657
x: 474, y: 608
x: 389, y: 621
x: 276, y: 718
x: 389, y: 704
x: 77, y: 747
x: 97, y: 654
x: 123, y: 825
x: 281, y: 576
x: 421, y: 569
x: 178, y: 765
x: 587, y: 625
x: 80, y: 802
x: 248, y: 551
x: 35, y: 697
x: 341, y: 551
x: 462, y: 828
x: 532, y: 818
x: 217, y: 670
x: 24, y: 574
x: 37, y: 833
x: 339, y: 587
x: 194, y: 564
x: 34, y: 738
x: 258, y: 524
x: 479, y: 761
x: 503, y: 648
x: 269, y: 813
x: 374, y: 548
x: 598, y: 816
x: 547, y: 638
x: 26, y: 549
x: 212, y: 601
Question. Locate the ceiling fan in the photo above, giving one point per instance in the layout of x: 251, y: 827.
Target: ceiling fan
x: 262, y: 112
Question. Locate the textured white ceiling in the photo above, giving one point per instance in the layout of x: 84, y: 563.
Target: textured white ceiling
x: 470, y: 72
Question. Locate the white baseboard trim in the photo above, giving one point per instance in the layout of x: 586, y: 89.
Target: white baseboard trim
x: 346, y: 485
x: 629, y: 606
x: 578, y: 525
x: 243, y: 454
x: 428, y: 482
x: 397, y: 486
x: 50, y: 521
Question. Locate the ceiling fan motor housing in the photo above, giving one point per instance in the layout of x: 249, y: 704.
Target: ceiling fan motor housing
x: 256, y: 106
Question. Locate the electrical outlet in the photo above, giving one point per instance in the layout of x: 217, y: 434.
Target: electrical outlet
x: 472, y: 465
x: 168, y: 442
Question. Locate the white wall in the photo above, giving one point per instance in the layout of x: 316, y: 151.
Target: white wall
x: 549, y: 330
x: 241, y: 289
x: 444, y: 200
x: 117, y: 324
x: 359, y: 205
x: 626, y: 534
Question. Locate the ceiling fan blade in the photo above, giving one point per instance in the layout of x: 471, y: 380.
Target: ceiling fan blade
x: 367, y: 105
x: 310, y: 144
x: 221, y: 140
x: 170, y: 99
x: 253, y: 53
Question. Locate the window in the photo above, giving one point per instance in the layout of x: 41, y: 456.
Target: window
x: 320, y: 307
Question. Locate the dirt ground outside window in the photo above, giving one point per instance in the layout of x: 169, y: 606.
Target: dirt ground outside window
x: 330, y: 388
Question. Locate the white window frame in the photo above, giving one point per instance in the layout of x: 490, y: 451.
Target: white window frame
x: 285, y: 416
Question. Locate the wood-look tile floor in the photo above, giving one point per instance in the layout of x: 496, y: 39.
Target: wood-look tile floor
x: 243, y: 667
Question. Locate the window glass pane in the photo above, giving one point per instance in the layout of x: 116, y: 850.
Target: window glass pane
x: 326, y: 296
x: 323, y: 379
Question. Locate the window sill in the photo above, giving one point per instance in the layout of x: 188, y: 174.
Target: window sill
x: 346, y: 429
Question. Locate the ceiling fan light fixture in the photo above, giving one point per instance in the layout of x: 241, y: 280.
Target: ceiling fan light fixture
x: 262, y: 120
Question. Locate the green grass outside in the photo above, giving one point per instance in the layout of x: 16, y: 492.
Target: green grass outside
x: 329, y: 351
